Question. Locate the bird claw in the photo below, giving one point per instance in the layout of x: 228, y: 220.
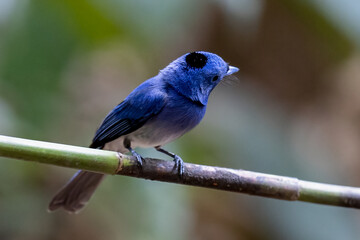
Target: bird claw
x: 178, y: 162
x: 138, y: 157
x: 179, y: 165
x: 139, y: 160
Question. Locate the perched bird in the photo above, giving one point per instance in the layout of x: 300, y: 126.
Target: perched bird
x: 155, y: 113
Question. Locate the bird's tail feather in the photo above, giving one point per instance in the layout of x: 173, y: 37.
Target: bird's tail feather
x: 77, y: 192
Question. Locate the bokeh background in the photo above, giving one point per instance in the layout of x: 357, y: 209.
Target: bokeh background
x: 294, y: 111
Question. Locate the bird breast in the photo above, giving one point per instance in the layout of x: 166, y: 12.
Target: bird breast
x: 176, y: 118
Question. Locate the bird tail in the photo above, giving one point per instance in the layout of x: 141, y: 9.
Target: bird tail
x: 77, y: 192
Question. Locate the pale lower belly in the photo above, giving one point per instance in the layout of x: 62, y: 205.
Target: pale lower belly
x: 144, y: 138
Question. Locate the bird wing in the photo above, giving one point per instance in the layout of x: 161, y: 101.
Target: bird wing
x: 142, y: 104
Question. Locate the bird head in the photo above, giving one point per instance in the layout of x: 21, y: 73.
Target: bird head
x: 194, y: 75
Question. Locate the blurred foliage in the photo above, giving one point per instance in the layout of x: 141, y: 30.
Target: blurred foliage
x: 335, y: 43
x: 293, y: 111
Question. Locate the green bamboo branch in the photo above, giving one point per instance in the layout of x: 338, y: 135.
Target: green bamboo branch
x: 107, y: 162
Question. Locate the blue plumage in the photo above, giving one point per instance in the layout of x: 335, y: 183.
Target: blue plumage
x: 155, y: 113
x: 142, y: 104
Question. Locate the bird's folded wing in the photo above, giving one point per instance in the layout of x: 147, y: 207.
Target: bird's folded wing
x: 129, y: 115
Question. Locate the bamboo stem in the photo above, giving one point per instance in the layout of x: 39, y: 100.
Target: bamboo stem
x: 107, y: 162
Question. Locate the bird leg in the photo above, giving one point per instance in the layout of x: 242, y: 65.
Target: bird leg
x: 138, y: 157
x: 179, y: 163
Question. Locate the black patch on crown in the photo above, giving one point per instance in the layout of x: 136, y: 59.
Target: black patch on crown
x: 196, y: 60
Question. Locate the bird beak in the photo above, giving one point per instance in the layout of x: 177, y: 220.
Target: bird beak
x: 232, y: 70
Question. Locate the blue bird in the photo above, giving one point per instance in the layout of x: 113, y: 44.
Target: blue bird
x: 158, y: 111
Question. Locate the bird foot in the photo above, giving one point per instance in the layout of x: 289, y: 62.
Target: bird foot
x: 179, y: 165
x: 178, y: 162
x: 138, y: 157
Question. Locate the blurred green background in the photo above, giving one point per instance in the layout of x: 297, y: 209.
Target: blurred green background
x: 294, y: 111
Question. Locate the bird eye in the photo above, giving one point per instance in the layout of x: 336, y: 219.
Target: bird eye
x: 215, y: 78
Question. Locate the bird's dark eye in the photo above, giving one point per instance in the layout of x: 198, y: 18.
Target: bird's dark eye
x: 215, y: 78
x: 196, y: 60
